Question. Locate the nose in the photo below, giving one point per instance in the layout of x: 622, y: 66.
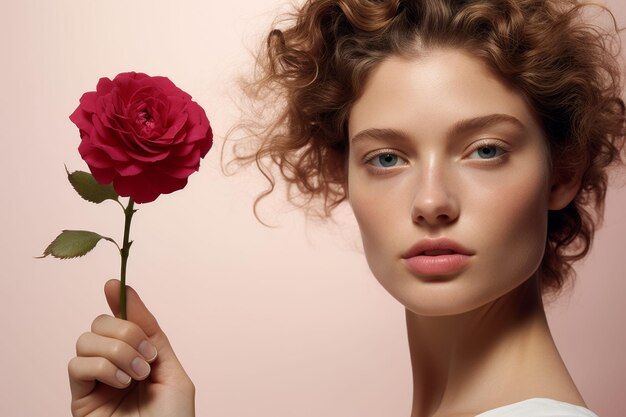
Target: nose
x: 434, y: 202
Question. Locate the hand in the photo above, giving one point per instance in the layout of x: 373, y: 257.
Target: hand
x: 160, y: 389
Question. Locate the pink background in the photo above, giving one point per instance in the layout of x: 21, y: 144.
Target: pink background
x: 268, y: 322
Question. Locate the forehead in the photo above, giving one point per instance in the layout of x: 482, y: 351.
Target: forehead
x: 431, y: 93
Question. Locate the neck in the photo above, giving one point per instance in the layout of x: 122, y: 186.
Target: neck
x: 495, y: 355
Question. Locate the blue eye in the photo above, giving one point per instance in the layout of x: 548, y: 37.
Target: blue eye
x: 487, y: 151
x: 386, y: 160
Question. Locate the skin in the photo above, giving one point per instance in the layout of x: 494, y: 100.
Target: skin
x: 479, y: 338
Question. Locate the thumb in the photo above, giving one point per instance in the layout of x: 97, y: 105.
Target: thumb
x: 136, y: 310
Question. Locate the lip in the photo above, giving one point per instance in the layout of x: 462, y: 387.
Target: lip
x: 441, y: 243
x: 416, y: 261
x: 437, y: 264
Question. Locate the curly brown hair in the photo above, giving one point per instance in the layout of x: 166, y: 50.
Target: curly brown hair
x: 311, y: 71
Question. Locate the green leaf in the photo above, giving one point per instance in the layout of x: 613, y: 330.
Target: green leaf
x: 73, y: 243
x: 88, y: 188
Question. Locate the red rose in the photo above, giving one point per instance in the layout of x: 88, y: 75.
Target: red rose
x: 141, y: 133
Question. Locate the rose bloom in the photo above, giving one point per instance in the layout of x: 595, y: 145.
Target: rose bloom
x: 141, y: 133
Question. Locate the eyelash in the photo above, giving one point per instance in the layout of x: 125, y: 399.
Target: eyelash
x: 478, y: 145
x: 371, y: 158
x: 499, y: 145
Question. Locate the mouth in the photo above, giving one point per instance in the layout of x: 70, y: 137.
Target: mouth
x: 441, y: 256
x: 436, y: 247
x: 436, y: 252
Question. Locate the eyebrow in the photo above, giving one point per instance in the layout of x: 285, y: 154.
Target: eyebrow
x: 461, y: 126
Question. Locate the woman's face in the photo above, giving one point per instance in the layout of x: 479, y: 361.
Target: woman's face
x: 440, y: 147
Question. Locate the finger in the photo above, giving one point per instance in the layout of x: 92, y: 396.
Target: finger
x: 126, y: 331
x: 115, y: 351
x: 85, y: 371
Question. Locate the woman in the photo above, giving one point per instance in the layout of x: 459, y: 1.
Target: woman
x: 471, y: 140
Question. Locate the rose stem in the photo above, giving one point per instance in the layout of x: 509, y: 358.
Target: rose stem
x: 128, y: 212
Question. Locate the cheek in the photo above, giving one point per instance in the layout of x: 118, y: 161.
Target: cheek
x: 379, y: 213
x: 515, y: 226
x: 370, y: 215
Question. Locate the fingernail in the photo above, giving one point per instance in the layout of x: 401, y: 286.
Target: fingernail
x: 140, y: 366
x: 122, y: 376
x: 147, y: 350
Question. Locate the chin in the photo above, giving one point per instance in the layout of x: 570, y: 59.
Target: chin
x: 447, y: 296
x: 436, y: 308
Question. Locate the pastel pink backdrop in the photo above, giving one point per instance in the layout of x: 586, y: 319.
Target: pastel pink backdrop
x: 268, y: 322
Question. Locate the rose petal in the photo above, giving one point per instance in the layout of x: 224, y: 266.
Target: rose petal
x: 147, y: 186
x: 176, y: 126
x: 101, y: 134
x: 193, y: 159
x: 206, y: 143
x: 113, y: 113
x: 88, y: 101
x: 114, y: 152
x: 182, y: 150
x: 94, y: 157
x: 104, y: 86
x: 176, y: 171
x: 150, y: 147
x: 143, y: 157
x: 99, y: 128
x: 168, y: 88
x: 198, y: 122
x: 103, y: 176
x: 177, y: 106
x: 128, y: 170
x: 126, y: 85
x: 81, y: 119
